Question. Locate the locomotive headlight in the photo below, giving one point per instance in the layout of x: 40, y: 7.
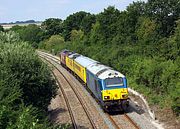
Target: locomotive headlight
x: 125, y: 96
x: 106, y: 97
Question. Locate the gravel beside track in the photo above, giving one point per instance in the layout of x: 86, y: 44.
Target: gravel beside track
x: 58, y: 110
x: 78, y: 111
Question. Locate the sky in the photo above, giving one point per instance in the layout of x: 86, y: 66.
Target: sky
x: 39, y: 10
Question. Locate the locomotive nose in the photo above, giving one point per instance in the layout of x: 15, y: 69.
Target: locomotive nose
x: 114, y: 95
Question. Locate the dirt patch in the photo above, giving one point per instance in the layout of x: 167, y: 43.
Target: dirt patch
x: 164, y: 116
x: 167, y: 117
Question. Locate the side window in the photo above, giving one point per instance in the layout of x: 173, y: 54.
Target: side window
x: 77, y: 67
x: 96, y: 85
x: 100, y: 85
x: 87, y: 76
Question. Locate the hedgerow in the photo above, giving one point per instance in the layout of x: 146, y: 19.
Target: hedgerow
x: 26, y: 85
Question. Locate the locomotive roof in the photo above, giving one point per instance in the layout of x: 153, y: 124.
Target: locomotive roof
x: 66, y: 53
x: 74, y: 55
x: 65, y: 50
x: 110, y: 74
x: 84, y: 61
x: 103, y: 72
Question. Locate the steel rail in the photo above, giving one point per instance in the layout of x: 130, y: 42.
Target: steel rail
x: 113, y: 122
x: 77, y: 94
x: 131, y: 121
x: 65, y: 98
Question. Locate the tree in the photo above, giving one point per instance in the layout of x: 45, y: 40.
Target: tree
x: 77, y: 21
x: 76, y: 35
x: 9, y: 37
x: 165, y: 13
x: 32, y: 75
x: 171, y: 46
x: 1, y: 28
x: 52, y: 26
x: 87, y: 22
x: 31, y: 33
x: 107, y: 21
x: 26, y: 85
x: 95, y: 34
x: 54, y: 42
x: 126, y: 24
x: 146, y: 31
x: 16, y: 28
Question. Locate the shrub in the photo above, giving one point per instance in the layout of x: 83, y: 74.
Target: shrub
x: 33, y: 76
x: 26, y: 85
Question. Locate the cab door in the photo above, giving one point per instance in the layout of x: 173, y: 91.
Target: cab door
x: 98, y: 88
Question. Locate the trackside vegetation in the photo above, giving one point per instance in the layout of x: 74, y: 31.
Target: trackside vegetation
x: 26, y: 86
x: 142, y: 42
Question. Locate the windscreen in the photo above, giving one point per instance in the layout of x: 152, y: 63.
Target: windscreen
x: 110, y: 82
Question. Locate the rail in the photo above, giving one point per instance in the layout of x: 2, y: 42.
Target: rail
x: 77, y: 94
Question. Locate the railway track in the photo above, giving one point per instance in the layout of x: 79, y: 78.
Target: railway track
x: 113, y: 119
x: 131, y: 121
x: 123, y: 125
x: 73, y: 119
x: 75, y: 126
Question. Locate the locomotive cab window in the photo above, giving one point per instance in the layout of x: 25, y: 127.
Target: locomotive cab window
x: 110, y: 82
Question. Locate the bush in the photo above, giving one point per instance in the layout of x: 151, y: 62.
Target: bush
x: 26, y: 85
x: 33, y: 76
x: 53, y: 44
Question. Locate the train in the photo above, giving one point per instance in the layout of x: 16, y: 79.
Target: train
x: 108, y: 86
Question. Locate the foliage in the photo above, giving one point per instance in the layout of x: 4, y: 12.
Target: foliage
x: 32, y: 74
x: 31, y: 33
x: 165, y: 13
x: 76, y: 35
x: 87, y: 22
x: 77, y: 21
x: 16, y: 28
x: 107, y: 21
x: 95, y: 35
x: 10, y: 37
x: 1, y: 28
x: 26, y: 85
x: 53, y: 43
x: 146, y: 31
x: 52, y: 26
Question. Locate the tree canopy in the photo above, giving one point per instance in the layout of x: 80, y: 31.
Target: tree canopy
x: 52, y: 26
x: 77, y: 21
x: 1, y: 28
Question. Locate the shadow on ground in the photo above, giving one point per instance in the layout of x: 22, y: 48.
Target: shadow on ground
x: 54, y: 113
x: 131, y: 108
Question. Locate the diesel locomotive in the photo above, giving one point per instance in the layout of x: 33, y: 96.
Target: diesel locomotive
x: 107, y: 85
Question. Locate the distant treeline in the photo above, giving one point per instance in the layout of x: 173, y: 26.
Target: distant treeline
x: 142, y: 42
x: 21, y: 22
